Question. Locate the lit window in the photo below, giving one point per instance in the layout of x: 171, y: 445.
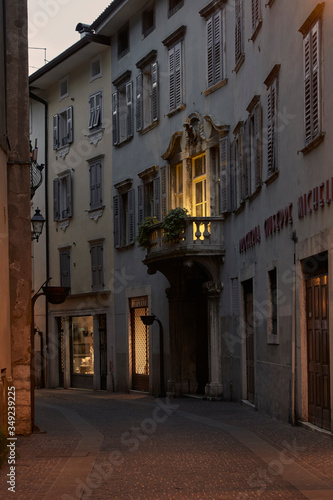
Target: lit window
x: 199, y: 186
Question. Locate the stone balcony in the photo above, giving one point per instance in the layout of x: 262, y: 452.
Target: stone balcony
x: 203, y: 237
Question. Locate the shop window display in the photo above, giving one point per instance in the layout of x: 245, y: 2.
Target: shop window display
x: 82, y: 345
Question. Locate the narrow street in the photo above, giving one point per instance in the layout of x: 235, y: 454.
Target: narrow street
x: 132, y: 446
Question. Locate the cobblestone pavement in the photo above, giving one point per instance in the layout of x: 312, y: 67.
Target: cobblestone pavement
x: 132, y: 446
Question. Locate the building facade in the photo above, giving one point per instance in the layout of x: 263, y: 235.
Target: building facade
x: 74, y: 92
x: 15, y: 241
x: 221, y: 108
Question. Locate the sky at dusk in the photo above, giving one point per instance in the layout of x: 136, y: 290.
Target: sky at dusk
x: 52, y: 26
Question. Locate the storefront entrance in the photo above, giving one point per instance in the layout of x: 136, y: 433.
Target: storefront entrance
x: 82, y: 351
x: 139, y: 344
x: 318, y: 351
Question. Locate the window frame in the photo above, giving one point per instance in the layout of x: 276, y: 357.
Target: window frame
x: 123, y: 110
x: 176, y: 70
x: 150, y: 8
x: 239, y: 34
x: 66, y: 116
x: 121, y: 52
x: 172, y: 9
x: 97, y: 75
x: 62, y: 197
x: 61, y: 81
x: 147, y: 93
x: 196, y: 180
x: 124, y: 221
x: 256, y: 18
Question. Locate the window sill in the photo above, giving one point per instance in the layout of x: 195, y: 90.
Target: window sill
x: 239, y: 63
x: 313, y: 144
x: 272, y: 177
x: 96, y: 213
x: 240, y: 208
x: 255, y: 193
x: 175, y: 111
x: 256, y: 31
x: 124, y: 142
x: 215, y: 87
x: 63, y: 151
x: 95, y: 136
x: 63, y: 223
x: 148, y: 128
x: 125, y: 247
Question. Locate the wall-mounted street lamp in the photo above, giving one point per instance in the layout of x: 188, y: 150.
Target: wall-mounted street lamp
x: 148, y: 321
x: 37, y: 223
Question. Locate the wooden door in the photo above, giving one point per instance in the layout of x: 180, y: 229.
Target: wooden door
x: 318, y: 352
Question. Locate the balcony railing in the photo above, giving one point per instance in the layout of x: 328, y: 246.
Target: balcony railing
x: 201, y: 234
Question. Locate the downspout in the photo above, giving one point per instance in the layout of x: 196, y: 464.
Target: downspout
x: 40, y: 100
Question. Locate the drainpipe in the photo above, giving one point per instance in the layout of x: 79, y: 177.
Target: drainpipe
x: 293, y: 341
x: 40, y: 100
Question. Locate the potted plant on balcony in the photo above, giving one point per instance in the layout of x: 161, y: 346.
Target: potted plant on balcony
x: 174, y: 225
x: 144, y: 231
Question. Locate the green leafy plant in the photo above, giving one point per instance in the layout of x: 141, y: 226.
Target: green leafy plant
x: 3, y: 446
x: 174, y: 224
x: 144, y: 231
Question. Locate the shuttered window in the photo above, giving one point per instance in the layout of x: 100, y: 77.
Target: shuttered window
x: 256, y: 16
x: 147, y: 97
x: 272, y: 96
x: 214, y: 37
x: 62, y: 197
x: 175, y: 77
x: 239, y: 30
x: 124, y: 219
x: 95, y: 110
x: 96, y: 187
x: 122, y: 113
x: 65, y: 268
x: 97, y: 264
x: 312, y: 84
x: 63, y: 128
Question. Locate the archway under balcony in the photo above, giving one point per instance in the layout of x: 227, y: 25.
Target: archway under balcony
x: 194, y: 304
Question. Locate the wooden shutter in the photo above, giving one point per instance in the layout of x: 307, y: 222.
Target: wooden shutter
x: 272, y: 127
x: 141, y: 214
x: 315, y: 80
x: 56, y: 215
x: 139, y: 102
x: 178, y: 75
x: 131, y: 215
x: 307, y: 88
x: 172, y: 91
x: 100, y: 264
x: 238, y: 29
x: 94, y: 263
x: 99, y: 185
x: 246, y: 159
x: 68, y: 183
x: 210, y: 52
x: 256, y: 13
x: 224, y: 178
x: 115, y: 117
x: 92, y: 105
x: 156, y: 187
x: 70, y: 124
x: 129, y: 109
x: 92, y: 171
x: 98, y: 112
x: 218, y: 47
x: 233, y: 177
x: 65, y: 268
x: 258, y: 144
x: 154, y: 92
x: 55, y: 131
x: 164, y: 191
x: 116, y: 220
